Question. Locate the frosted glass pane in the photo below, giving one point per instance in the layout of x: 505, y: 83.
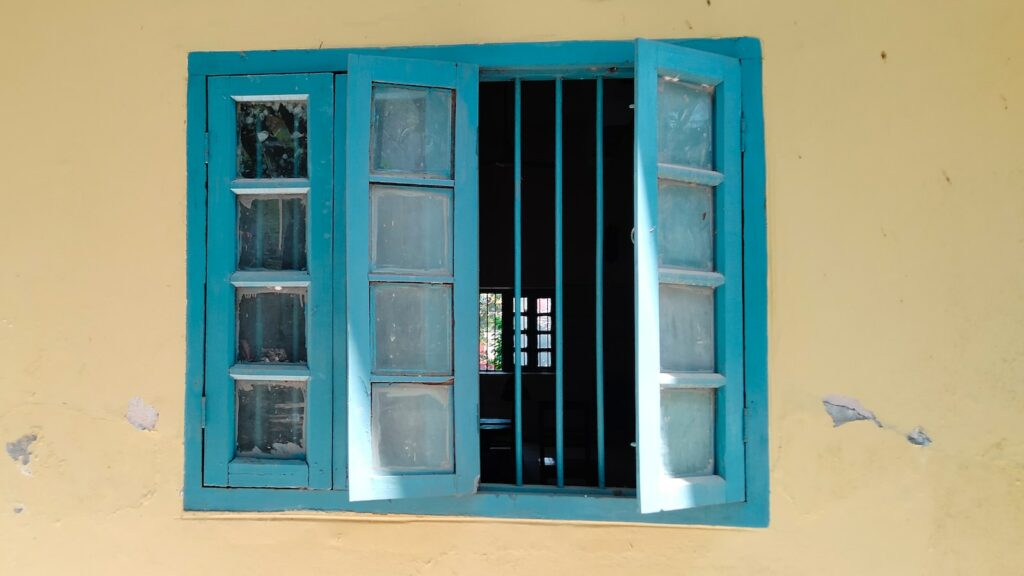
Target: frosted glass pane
x: 544, y: 341
x: 687, y: 327
x: 411, y: 231
x: 544, y: 323
x: 271, y: 419
x: 411, y: 131
x: 688, y: 432
x: 412, y: 428
x: 412, y: 328
x: 684, y: 124
x: 544, y: 359
x: 271, y: 233
x: 272, y: 139
x: 271, y: 325
x: 685, y: 226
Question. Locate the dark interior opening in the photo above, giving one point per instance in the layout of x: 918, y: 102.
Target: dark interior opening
x: 497, y: 252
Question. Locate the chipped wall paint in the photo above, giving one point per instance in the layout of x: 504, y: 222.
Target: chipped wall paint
x: 141, y: 415
x: 896, y: 219
x: 19, y: 452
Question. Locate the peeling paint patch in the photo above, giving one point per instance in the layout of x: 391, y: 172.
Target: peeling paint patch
x: 19, y: 452
x: 918, y: 437
x: 141, y: 415
x: 18, y: 508
x: 844, y: 409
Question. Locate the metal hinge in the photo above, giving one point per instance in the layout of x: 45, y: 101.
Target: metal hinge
x: 202, y: 413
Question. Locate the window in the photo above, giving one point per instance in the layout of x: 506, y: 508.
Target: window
x: 423, y: 280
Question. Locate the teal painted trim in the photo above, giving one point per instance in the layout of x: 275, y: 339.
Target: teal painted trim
x: 691, y: 277
x: 669, y: 380
x: 340, y: 285
x: 411, y: 181
x: 557, y: 57
x: 389, y: 278
x: 690, y: 175
x: 755, y: 288
x: 270, y: 278
x: 559, y: 297
x: 518, y: 280
x: 265, y: 371
x: 268, y: 473
x: 599, y: 283
x: 274, y: 186
x: 222, y: 254
x: 195, y: 282
x: 656, y: 490
x: 483, y: 504
x: 549, y: 490
x: 364, y: 480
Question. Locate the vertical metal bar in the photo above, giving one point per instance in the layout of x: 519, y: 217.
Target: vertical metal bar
x: 559, y: 370
x: 518, y: 288
x: 599, y: 284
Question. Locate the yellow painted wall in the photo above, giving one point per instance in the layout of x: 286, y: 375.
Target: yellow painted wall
x: 896, y: 230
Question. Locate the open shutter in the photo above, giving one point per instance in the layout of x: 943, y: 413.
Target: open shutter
x: 689, y: 323
x: 411, y: 227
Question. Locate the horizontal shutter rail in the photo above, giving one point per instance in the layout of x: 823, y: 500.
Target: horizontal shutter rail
x: 270, y: 279
x: 265, y: 371
x: 690, y: 175
x: 691, y: 380
x: 690, y: 277
x: 271, y: 186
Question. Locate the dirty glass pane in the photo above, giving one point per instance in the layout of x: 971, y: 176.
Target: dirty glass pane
x: 411, y: 131
x: 271, y: 324
x: 688, y: 430
x: 272, y: 139
x: 410, y: 230
x: 491, y: 332
x: 412, y: 428
x: 544, y: 323
x: 271, y: 419
x: 412, y: 327
x: 687, y: 323
x: 684, y: 123
x: 685, y: 226
x: 271, y: 232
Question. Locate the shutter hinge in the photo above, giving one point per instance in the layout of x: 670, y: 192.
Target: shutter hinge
x: 202, y: 413
x: 743, y: 134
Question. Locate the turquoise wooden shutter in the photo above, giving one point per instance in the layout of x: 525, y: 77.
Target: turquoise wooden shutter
x: 268, y: 325
x: 689, y: 323
x: 411, y: 226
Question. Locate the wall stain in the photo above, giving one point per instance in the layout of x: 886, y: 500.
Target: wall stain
x: 141, y: 415
x: 20, y: 452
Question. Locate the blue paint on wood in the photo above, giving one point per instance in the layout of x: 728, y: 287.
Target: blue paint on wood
x: 517, y: 303
x: 599, y: 284
x: 559, y: 297
x: 365, y: 482
x: 657, y: 490
x: 222, y: 275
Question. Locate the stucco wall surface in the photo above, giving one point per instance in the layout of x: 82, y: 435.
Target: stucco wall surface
x: 896, y: 238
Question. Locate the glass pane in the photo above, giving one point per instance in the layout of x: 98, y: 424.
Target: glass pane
x: 687, y: 328
x: 271, y: 324
x: 491, y: 341
x: 524, y: 341
x: 685, y: 226
x: 544, y: 359
x: 272, y: 139
x: 524, y: 359
x: 544, y: 305
x: 544, y: 323
x: 412, y: 328
x: 271, y: 419
x: 412, y: 427
x: 684, y: 123
x: 411, y: 131
x: 544, y: 341
x: 524, y: 322
x: 410, y: 230
x: 688, y: 432
x: 271, y: 233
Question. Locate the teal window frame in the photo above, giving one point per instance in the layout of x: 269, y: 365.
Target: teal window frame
x: 567, y: 60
